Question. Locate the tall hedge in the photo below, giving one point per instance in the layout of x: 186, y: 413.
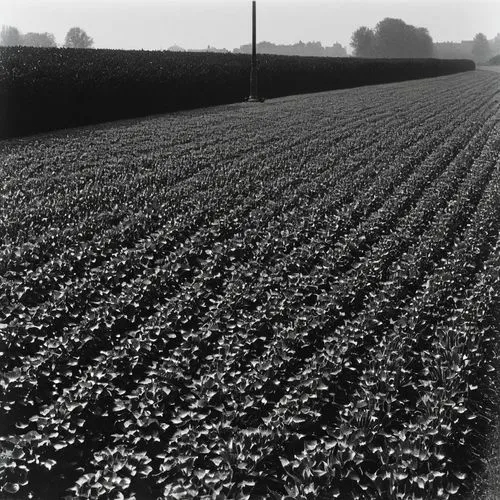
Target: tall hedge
x: 45, y: 89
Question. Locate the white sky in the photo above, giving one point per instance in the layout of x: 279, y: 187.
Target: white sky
x: 192, y: 24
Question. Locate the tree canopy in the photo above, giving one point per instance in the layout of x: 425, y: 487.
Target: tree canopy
x: 363, y: 42
x: 10, y: 36
x: 495, y: 44
x: 481, y: 49
x: 39, y: 40
x: 76, y: 38
x: 392, y: 38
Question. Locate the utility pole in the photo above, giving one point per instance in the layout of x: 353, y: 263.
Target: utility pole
x: 253, y: 71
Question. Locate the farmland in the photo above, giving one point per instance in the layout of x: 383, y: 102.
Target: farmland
x: 295, y: 299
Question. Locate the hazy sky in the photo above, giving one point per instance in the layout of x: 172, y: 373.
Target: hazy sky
x: 158, y: 24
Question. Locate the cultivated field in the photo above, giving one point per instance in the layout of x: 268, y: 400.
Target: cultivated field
x: 293, y: 299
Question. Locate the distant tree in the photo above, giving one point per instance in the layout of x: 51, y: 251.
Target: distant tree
x: 495, y: 44
x: 395, y: 38
x: 39, y: 40
x: 481, y: 49
x: 363, y: 42
x: 10, y: 36
x: 423, y: 43
x: 392, y: 38
x: 76, y: 38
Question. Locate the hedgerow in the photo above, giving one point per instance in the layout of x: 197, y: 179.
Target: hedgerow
x: 45, y: 89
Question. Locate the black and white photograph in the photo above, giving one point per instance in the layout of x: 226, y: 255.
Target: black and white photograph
x: 250, y: 249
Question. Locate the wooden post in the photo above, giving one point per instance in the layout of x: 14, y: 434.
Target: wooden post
x: 253, y: 70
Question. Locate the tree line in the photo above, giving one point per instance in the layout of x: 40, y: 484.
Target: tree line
x: 75, y: 38
x: 296, y: 49
x: 393, y: 38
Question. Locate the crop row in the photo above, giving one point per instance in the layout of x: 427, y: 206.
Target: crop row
x: 156, y: 275
x: 313, y: 319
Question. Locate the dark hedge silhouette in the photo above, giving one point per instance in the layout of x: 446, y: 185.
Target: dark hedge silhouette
x: 43, y: 89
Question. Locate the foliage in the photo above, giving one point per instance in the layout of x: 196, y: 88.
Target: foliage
x: 481, y: 49
x: 294, y: 300
x: 392, y: 38
x: 10, y: 36
x: 495, y: 44
x: 39, y: 40
x: 76, y: 38
x: 495, y: 61
x: 43, y: 90
x: 363, y: 42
